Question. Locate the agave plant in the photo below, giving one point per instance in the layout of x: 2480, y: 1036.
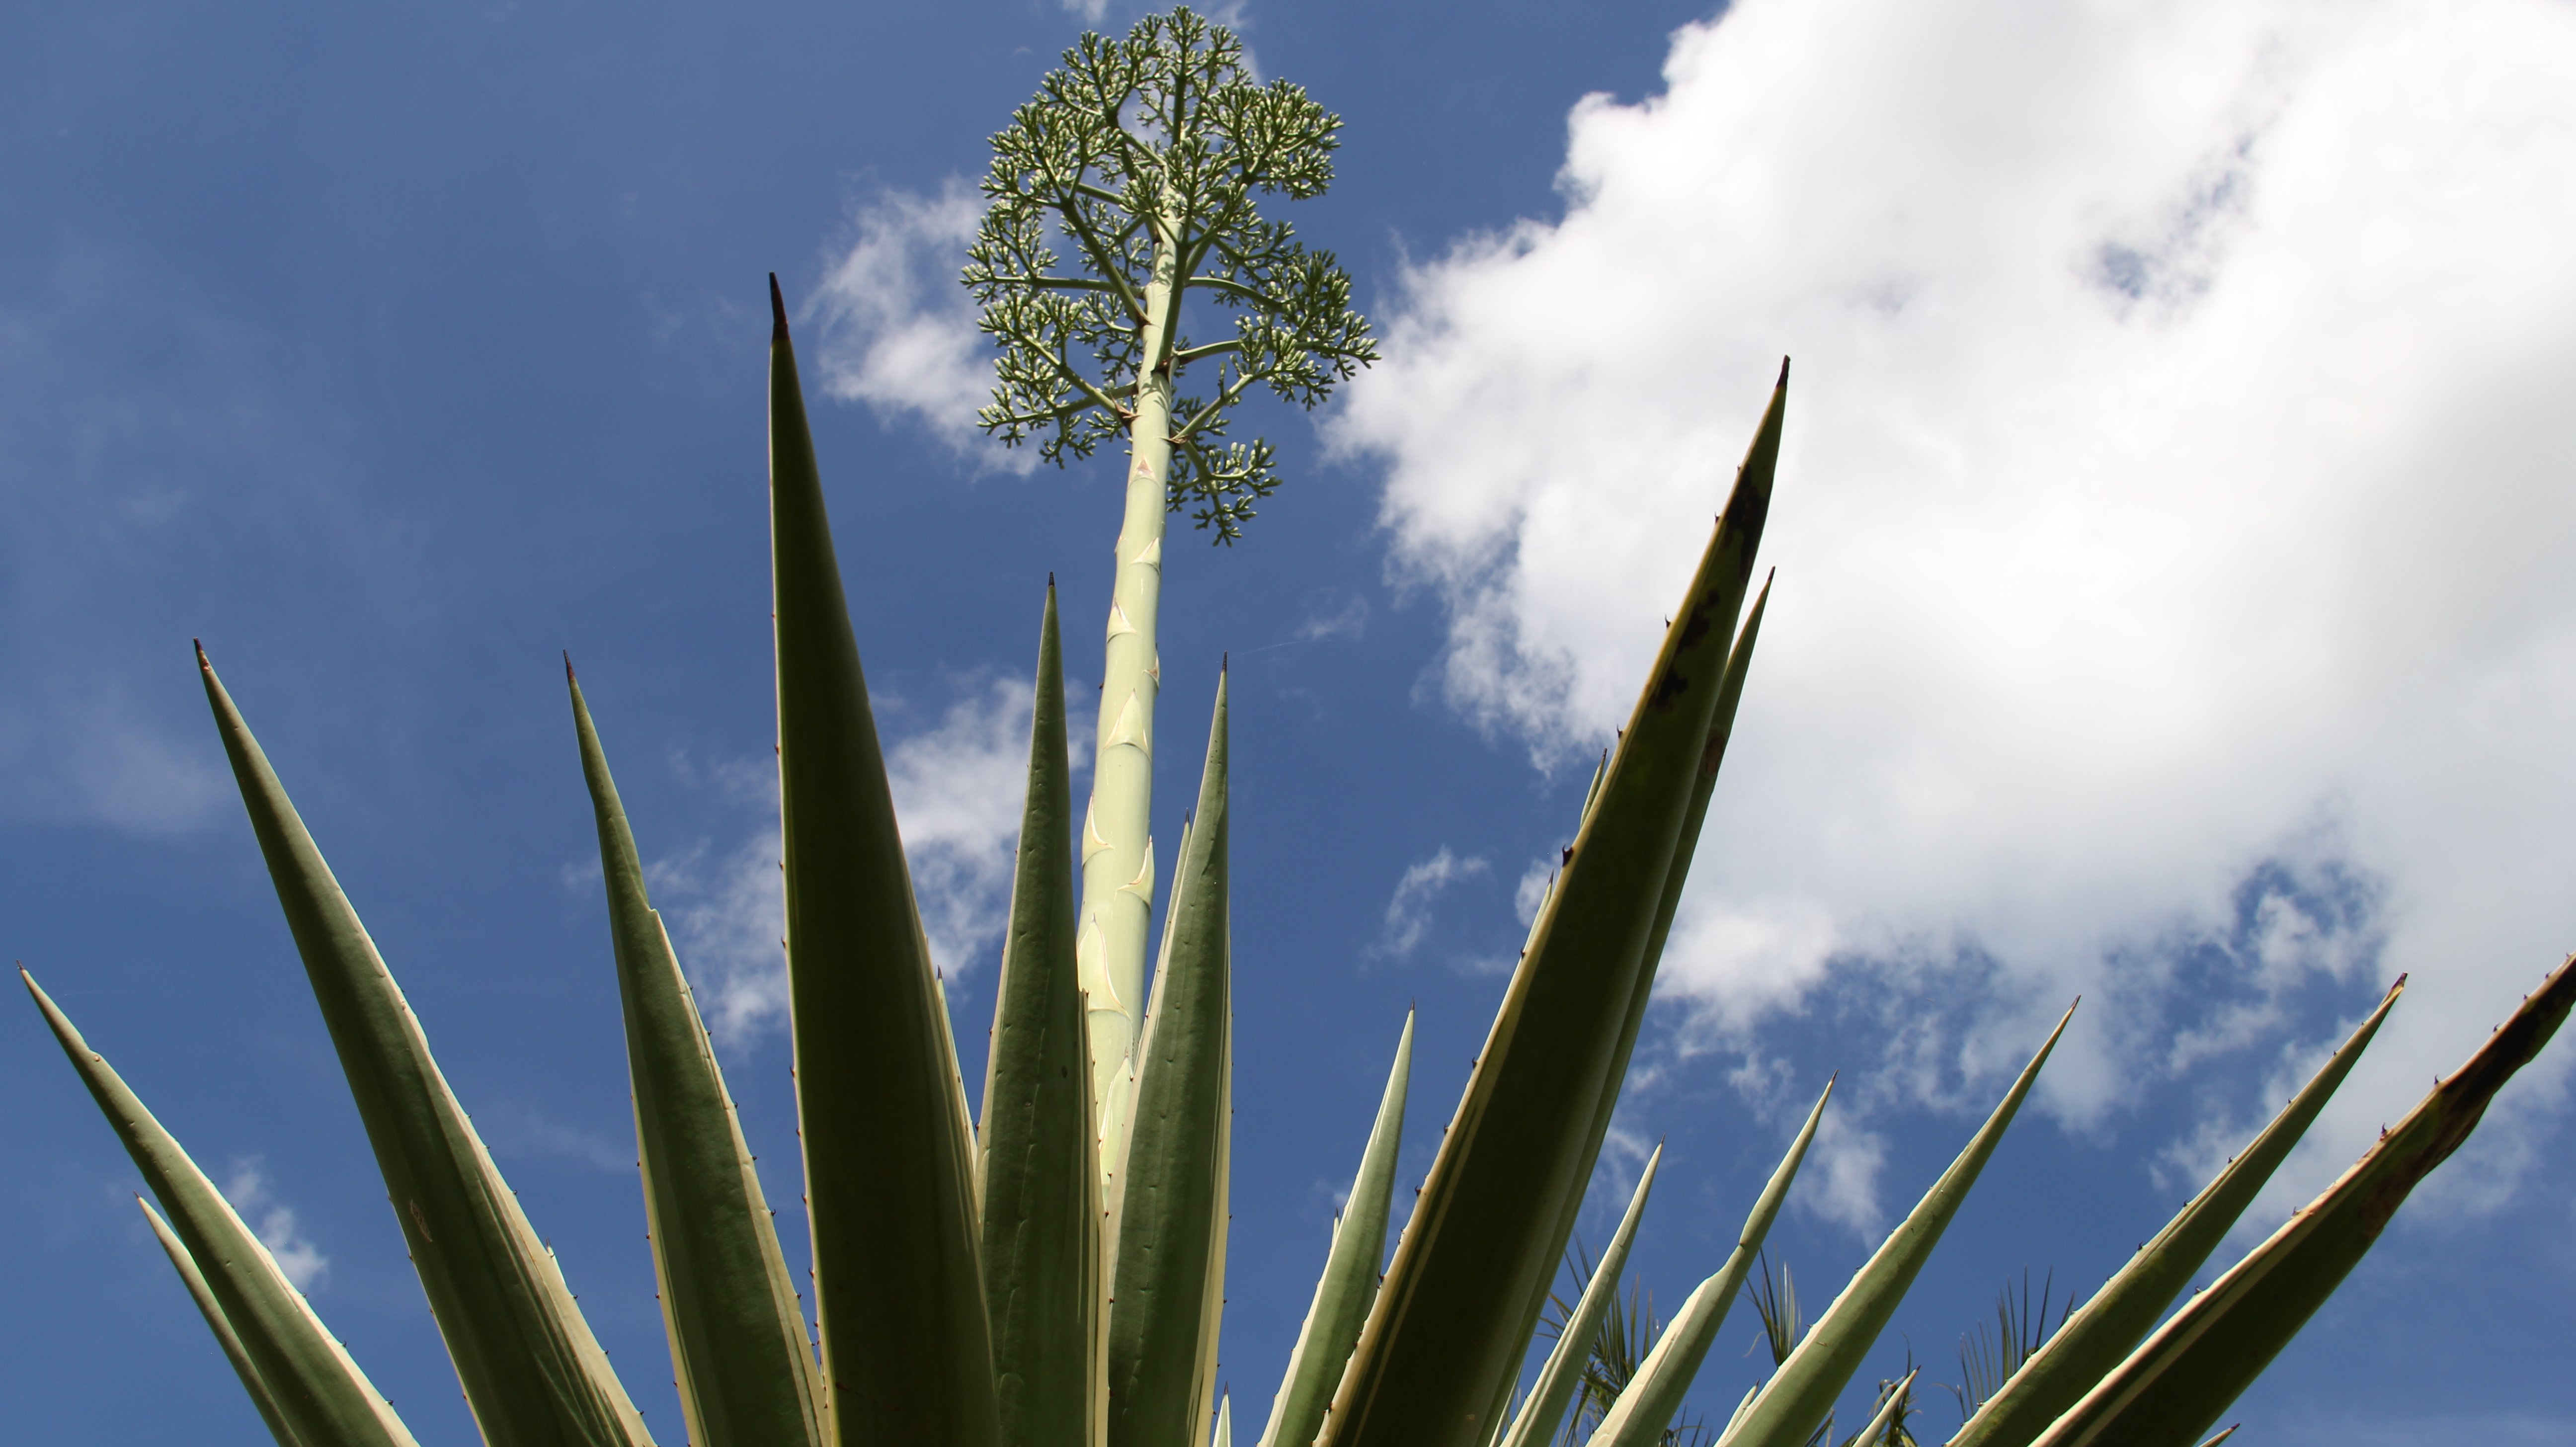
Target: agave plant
x: 1022, y: 1276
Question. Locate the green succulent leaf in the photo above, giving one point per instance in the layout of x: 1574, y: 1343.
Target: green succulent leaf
x: 889, y: 1168
x: 1543, y: 1411
x: 1349, y: 1282
x: 299, y: 1376
x: 2094, y: 1340
x: 2175, y: 1385
x: 739, y: 1353
x: 1642, y: 1412
x: 1036, y: 1177
x: 532, y: 1371
x: 1167, y: 1292
x: 1802, y: 1393
x: 1445, y: 1337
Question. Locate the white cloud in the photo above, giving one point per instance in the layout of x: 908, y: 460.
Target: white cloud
x: 958, y: 791
x: 2176, y: 481
x: 274, y: 1223
x: 1408, y: 911
x: 898, y: 329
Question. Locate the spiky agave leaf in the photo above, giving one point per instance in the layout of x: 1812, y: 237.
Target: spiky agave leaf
x: 299, y: 1376
x: 2092, y: 1342
x: 1038, y: 1188
x: 1816, y: 1372
x: 739, y: 1353
x: 1167, y: 1291
x: 1638, y: 1417
x: 1543, y: 1410
x: 1721, y: 727
x: 1468, y: 1280
x: 889, y: 1169
x: 532, y: 1371
x: 2175, y: 1385
x: 1349, y: 1282
x: 234, y: 1352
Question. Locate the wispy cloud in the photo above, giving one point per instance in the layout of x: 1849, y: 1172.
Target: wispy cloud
x: 274, y: 1223
x: 2177, y: 428
x: 958, y: 790
x: 1408, y: 912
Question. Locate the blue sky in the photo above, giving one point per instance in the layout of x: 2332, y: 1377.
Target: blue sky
x: 2168, y: 533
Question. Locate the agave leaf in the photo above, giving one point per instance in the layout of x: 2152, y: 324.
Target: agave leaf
x: 1543, y: 1410
x: 1640, y: 1415
x: 225, y: 1337
x: 1804, y: 1390
x: 302, y: 1380
x: 1721, y: 727
x: 1454, y: 1316
x: 532, y: 1371
x: 1035, y: 1175
x: 1224, y: 1422
x: 2175, y: 1385
x: 1167, y: 1289
x: 889, y: 1169
x: 1349, y: 1282
x: 739, y: 1353
x: 2093, y: 1341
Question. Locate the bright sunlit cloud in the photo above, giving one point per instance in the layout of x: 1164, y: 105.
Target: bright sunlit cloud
x: 2171, y: 599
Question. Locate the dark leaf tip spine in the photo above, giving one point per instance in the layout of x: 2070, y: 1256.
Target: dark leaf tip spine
x: 1784, y: 361
x: 777, y: 311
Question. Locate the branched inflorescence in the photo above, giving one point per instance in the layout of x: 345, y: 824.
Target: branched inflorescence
x: 1141, y: 158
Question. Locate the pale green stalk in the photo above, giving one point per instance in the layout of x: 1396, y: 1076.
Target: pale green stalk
x: 1543, y: 1410
x: 1117, y: 837
x: 1638, y: 1418
x: 1804, y: 1390
x: 1349, y: 1282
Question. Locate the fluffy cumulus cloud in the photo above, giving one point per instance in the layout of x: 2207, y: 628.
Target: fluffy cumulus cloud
x: 2170, y: 529
x: 898, y: 331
